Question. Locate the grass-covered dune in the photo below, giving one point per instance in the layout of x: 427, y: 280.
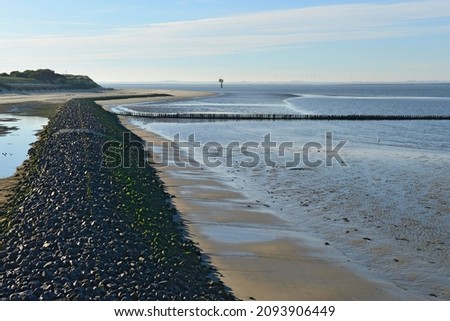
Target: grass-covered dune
x: 78, y: 228
x: 43, y: 79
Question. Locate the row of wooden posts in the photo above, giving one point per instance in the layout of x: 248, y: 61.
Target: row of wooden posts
x: 236, y: 116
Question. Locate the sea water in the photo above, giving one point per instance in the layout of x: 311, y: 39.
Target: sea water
x: 15, y: 144
x: 377, y: 191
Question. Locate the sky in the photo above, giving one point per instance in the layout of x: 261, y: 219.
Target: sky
x: 237, y: 40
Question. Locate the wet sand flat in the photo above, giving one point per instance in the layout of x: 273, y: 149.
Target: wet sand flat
x: 258, y: 254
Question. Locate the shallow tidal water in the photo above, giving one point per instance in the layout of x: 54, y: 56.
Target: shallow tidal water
x: 383, y: 201
x: 15, y: 144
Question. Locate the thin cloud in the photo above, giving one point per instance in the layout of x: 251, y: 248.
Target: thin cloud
x: 247, y: 32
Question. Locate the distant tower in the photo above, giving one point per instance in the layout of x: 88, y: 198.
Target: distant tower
x: 221, y: 82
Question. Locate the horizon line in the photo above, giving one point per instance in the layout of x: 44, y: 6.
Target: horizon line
x: 185, y: 82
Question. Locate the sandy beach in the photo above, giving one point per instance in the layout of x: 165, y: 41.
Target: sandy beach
x: 174, y: 95
x: 257, y: 254
x: 45, y: 103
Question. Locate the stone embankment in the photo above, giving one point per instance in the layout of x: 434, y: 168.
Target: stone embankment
x: 78, y: 229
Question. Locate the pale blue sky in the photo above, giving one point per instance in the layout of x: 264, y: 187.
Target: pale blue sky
x: 202, y: 40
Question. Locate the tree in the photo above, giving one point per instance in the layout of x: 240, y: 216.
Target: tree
x: 221, y: 82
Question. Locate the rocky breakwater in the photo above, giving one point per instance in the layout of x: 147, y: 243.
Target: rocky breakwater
x: 76, y: 229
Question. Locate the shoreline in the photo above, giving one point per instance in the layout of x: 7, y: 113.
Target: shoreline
x: 46, y: 103
x: 175, y: 95
x: 256, y: 251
